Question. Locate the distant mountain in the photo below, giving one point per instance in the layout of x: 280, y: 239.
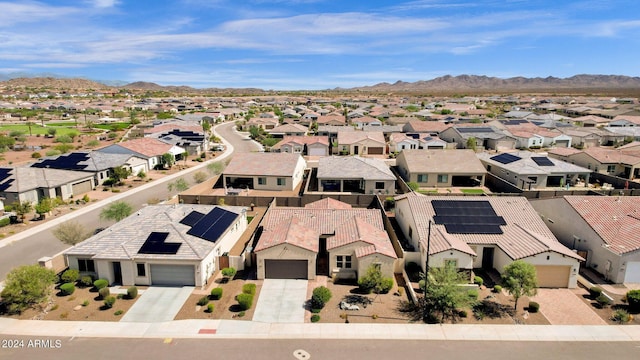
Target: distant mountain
x: 144, y: 85
x: 54, y: 83
x: 473, y: 83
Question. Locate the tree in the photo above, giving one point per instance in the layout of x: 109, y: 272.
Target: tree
x: 30, y: 124
x: 471, y: 143
x: 443, y: 295
x: 27, y: 286
x: 168, y: 159
x: 519, y: 279
x: 206, y: 126
x: 71, y: 232
x: 414, y: 186
x: 52, y: 131
x: 44, y: 206
x: 120, y: 173
x: 179, y: 185
x: 116, y: 211
x: 22, y: 208
x: 6, y: 142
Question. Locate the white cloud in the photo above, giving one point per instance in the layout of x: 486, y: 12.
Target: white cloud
x: 104, y: 3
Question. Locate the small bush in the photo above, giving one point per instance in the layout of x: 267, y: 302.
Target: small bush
x: 241, y: 314
x: 633, y: 299
x: 245, y: 301
x: 210, y: 308
x: 70, y: 276
x: 386, y: 285
x: 5, y: 221
x: 478, y: 280
x: 603, y: 301
x: 315, y: 311
x: 118, y: 313
x: 100, y: 283
x: 229, y: 272
x: 86, y: 281
x: 109, y: 301
x: 104, y: 292
x: 421, y: 284
x: 321, y: 295
x: 36, y: 155
x: 472, y: 294
x: 54, y: 307
x: 67, y: 288
x: 132, y: 292
x: 621, y: 316
x: 216, y: 293
x: 85, y: 303
x: 203, y: 301
x: 463, y: 313
x: 497, y: 289
x: 533, y: 307
x: 249, y: 289
x: 120, y: 296
x: 595, y: 291
x: 315, y: 318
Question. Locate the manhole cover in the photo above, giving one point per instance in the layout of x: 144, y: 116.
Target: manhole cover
x: 301, y: 354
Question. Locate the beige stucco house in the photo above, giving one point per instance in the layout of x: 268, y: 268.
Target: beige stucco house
x: 441, y: 168
x: 264, y: 171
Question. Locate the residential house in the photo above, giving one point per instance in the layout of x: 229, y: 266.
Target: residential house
x: 473, y: 232
x: 529, y: 170
x: 327, y: 238
x: 265, y: 123
x: 603, y: 229
x: 441, y: 168
x: 171, y: 245
x: 264, y: 171
x: 402, y: 141
x: 482, y: 137
x: 434, y: 128
x: 354, y: 174
x: 305, y: 145
x: 20, y: 184
x: 361, y: 143
x: 288, y: 130
x: 194, y: 143
x: 360, y: 122
x: 622, y: 162
x: 147, y: 148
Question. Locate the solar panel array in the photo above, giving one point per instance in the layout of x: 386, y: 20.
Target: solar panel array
x: 542, y: 161
x: 463, y: 130
x: 212, y: 225
x: 467, y: 216
x: 65, y: 162
x: 4, y: 174
x: 505, y: 158
x: 514, y: 122
x: 189, y: 135
x: 192, y: 218
x: 155, y: 244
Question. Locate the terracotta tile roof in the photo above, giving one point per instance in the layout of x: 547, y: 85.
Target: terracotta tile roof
x: 302, y: 140
x: 146, y: 146
x: 564, y: 151
x: 524, y: 235
x: 459, y: 161
x: 353, y: 167
x: 615, y: 219
x: 325, y: 221
x: 267, y: 164
x: 615, y: 156
x: 328, y: 203
x: 356, y: 230
x: 426, y: 126
x: 291, y: 232
x: 352, y: 137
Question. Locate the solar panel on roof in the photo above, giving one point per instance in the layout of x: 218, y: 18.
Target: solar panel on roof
x: 472, y: 229
x: 467, y: 216
x: 65, y: 162
x: 212, y: 225
x: 5, y: 173
x: 470, y: 220
x: 505, y: 158
x: 192, y: 218
x: 542, y: 161
x: 514, y: 122
x: 155, y: 244
x: 474, y: 129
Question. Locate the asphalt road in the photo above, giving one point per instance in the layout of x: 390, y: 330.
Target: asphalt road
x: 44, y: 243
x: 83, y: 348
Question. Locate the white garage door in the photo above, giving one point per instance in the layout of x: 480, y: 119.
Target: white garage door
x: 173, y: 275
x: 317, y: 151
x: 632, y: 274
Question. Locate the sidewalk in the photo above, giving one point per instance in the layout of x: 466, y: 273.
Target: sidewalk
x: 240, y: 329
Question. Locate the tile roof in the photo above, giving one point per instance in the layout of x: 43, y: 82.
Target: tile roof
x: 460, y: 161
x: 328, y: 203
x: 146, y: 146
x: 616, y: 219
x: 302, y: 140
x: 265, y: 164
x: 524, y: 235
x: 352, y: 137
x: 353, y: 167
x: 357, y: 229
x: 526, y: 165
x: 28, y: 178
x: 291, y: 231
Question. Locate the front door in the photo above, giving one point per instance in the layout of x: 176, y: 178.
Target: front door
x: 487, y: 258
x: 356, y: 150
x: 117, y: 272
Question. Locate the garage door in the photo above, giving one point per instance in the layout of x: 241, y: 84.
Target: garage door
x: 553, y: 276
x: 632, y: 274
x: 285, y: 269
x: 173, y: 275
x: 375, y: 151
x: 317, y: 151
x: 81, y: 188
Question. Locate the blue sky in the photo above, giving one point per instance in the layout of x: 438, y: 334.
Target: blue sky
x: 317, y: 44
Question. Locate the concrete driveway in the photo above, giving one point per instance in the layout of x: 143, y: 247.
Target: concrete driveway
x: 158, y: 304
x: 281, y: 301
x: 565, y: 307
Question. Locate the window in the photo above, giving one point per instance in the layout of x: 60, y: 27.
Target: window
x: 282, y: 181
x: 379, y: 185
x: 451, y: 262
x: 423, y: 178
x: 443, y: 178
x: 343, y: 262
x: 262, y: 181
x: 142, y: 271
x: 611, y: 169
x: 534, y: 179
x: 488, y: 167
x: 86, y: 265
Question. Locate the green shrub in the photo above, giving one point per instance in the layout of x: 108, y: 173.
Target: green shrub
x: 86, y: 281
x: 315, y: 318
x: 229, y: 272
x: 216, y: 293
x: 422, y: 284
x: 85, y: 303
x: 120, y: 296
x: 603, y: 301
x: 386, y: 285
x: 210, y: 308
x: 109, y: 301
x: 478, y: 280
x: 321, y: 295
x: 70, y: 276
x: 315, y: 311
x: 633, y: 299
x: 621, y: 316
x: 100, y: 283
x: 104, y: 292
x: 132, y: 292
x: 595, y: 291
x: 249, y: 289
x: 203, y: 301
x: 5, y: 221
x: 533, y: 307
x: 245, y: 301
x: 472, y: 294
x: 36, y: 155
x: 67, y: 288
x: 497, y: 289
x: 241, y: 314
x: 463, y: 313
x: 118, y: 313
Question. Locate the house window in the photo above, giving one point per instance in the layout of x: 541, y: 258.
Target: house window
x: 379, y: 185
x: 451, y: 262
x: 343, y: 262
x: 86, y: 265
x: 443, y: 178
x: 262, y: 181
x: 488, y: 167
x: 142, y: 271
x: 423, y: 178
x: 534, y: 179
x: 282, y: 181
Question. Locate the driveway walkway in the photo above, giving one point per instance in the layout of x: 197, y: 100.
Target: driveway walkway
x: 158, y: 304
x: 281, y: 301
x: 564, y: 307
